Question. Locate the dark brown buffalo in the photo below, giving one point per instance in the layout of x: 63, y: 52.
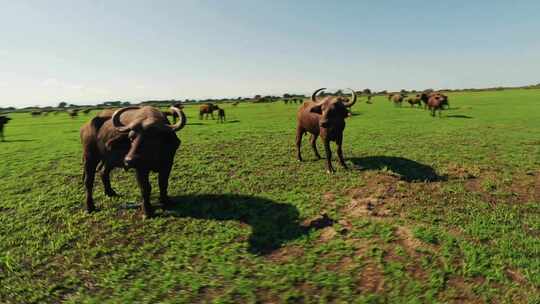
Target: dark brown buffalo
x: 436, y: 103
x: 3, y: 120
x: 35, y: 113
x: 425, y: 96
x: 86, y: 111
x: 221, y: 115
x: 206, y: 109
x: 132, y: 137
x: 327, y: 119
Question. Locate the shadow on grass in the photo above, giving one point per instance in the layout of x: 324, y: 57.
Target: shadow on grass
x: 272, y: 223
x: 194, y: 124
x: 408, y: 170
x: 16, y: 140
x: 459, y: 116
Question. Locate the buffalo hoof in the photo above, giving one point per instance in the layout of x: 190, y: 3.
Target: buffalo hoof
x: 111, y: 193
x: 91, y: 209
x: 148, y: 214
x: 165, y: 202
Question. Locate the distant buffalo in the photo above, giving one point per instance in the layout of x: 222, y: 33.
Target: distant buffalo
x: 415, y: 101
x: 206, y: 109
x: 35, y: 113
x: 73, y: 113
x: 397, y: 99
x: 3, y: 120
x: 221, y: 115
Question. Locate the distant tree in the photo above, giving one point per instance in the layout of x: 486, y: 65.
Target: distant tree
x: 339, y: 92
x: 367, y: 91
x: 403, y: 91
x: 126, y: 104
x: 62, y: 105
x: 257, y: 97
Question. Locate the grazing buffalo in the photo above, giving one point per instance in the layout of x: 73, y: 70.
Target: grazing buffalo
x: 3, y: 120
x: 235, y: 103
x: 206, y: 109
x: 221, y: 115
x: 327, y: 119
x: 397, y: 99
x: 134, y: 137
x: 35, y: 113
x: 73, y: 113
x: 86, y: 111
x: 415, y: 101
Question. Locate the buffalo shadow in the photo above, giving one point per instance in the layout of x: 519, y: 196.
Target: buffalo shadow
x: 17, y: 140
x: 408, y: 170
x: 459, y: 116
x: 272, y: 223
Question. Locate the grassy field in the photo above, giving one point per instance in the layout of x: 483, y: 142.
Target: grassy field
x: 432, y: 210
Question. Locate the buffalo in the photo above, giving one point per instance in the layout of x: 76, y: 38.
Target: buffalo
x: 86, y: 111
x: 35, y: 113
x: 206, y: 109
x: 73, y: 113
x: 436, y: 103
x: 397, y: 99
x: 221, y: 115
x: 327, y: 119
x: 3, y: 120
x: 415, y: 101
x: 426, y: 95
x: 134, y: 137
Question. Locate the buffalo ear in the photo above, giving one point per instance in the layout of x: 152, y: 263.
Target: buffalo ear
x: 316, y: 109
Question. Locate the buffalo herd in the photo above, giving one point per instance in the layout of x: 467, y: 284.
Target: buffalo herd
x: 143, y: 139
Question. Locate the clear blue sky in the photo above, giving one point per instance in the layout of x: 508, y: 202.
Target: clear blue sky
x: 90, y: 51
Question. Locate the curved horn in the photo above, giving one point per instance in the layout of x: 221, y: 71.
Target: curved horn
x: 315, y: 94
x: 116, y: 119
x: 351, y: 103
x: 181, y: 119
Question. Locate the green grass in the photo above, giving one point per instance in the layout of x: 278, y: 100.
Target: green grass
x: 433, y: 210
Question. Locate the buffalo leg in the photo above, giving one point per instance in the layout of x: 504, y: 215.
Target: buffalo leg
x: 106, y: 179
x: 313, y: 141
x: 212, y: 114
x: 299, y: 134
x: 339, y: 142
x: 146, y: 189
x: 89, y: 176
x: 163, y: 179
x: 329, y: 167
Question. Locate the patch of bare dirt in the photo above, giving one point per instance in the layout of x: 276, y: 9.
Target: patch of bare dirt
x: 376, y: 197
x: 327, y: 234
x: 459, y: 172
x: 521, y: 189
x: 460, y: 291
x: 286, y: 254
x: 371, y: 279
x: 516, y: 276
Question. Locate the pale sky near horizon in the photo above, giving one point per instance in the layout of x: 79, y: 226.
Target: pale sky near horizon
x: 91, y: 51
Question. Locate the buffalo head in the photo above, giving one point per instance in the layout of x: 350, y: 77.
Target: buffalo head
x: 333, y: 110
x: 148, y: 133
